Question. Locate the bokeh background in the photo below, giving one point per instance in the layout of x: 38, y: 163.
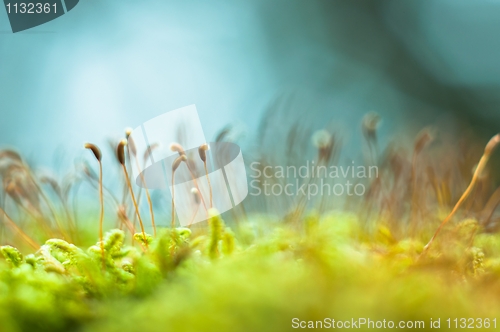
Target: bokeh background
x: 111, y: 64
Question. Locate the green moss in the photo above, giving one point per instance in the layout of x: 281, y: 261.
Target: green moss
x: 12, y: 255
x: 332, y: 267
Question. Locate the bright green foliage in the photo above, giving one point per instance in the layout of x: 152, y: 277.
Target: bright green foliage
x: 211, y: 280
x: 144, y: 239
x: 12, y: 255
x: 228, y: 242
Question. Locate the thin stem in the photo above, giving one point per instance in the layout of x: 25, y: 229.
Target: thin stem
x: 134, y: 201
x: 491, y: 206
x: 49, y: 205
x: 101, y: 216
x: 25, y: 236
x: 415, y: 202
x: 209, y: 184
x: 39, y: 219
x: 151, y: 212
x: 71, y: 223
x: 124, y: 220
x: 106, y: 190
x: 128, y: 224
x: 465, y: 195
x: 194, y: 216
x: 196, y: 186
x: 150, y: 203
x: 173, y: 199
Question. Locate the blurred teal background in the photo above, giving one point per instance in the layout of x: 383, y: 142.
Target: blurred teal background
x: 111, y: 64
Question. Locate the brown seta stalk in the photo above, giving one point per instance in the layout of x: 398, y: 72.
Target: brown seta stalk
x: 488, y: 151
x: 133, y: 151
x: 176, y: 147
x: 120, y: 154
x: 369, y: 126
x: 50, y: 206
x: 122, y: 215
x: 97, y: 154
x: 11, y: 189
x: 175, y: 165
x: 196, y: 196
x: 424, y: 138
x: 25, y: 236
x: 56, y: 188
x: 202, y: 151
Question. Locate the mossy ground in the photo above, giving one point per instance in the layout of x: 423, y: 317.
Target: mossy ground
x: 258, y: 280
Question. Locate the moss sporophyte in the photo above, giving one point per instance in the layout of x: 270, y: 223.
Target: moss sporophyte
x: 70, y: 267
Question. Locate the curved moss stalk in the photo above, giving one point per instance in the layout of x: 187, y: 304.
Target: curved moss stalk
x: 25, y: 236
x: 120, y: 153
x: 488, y: 151
x: 97, y: 154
